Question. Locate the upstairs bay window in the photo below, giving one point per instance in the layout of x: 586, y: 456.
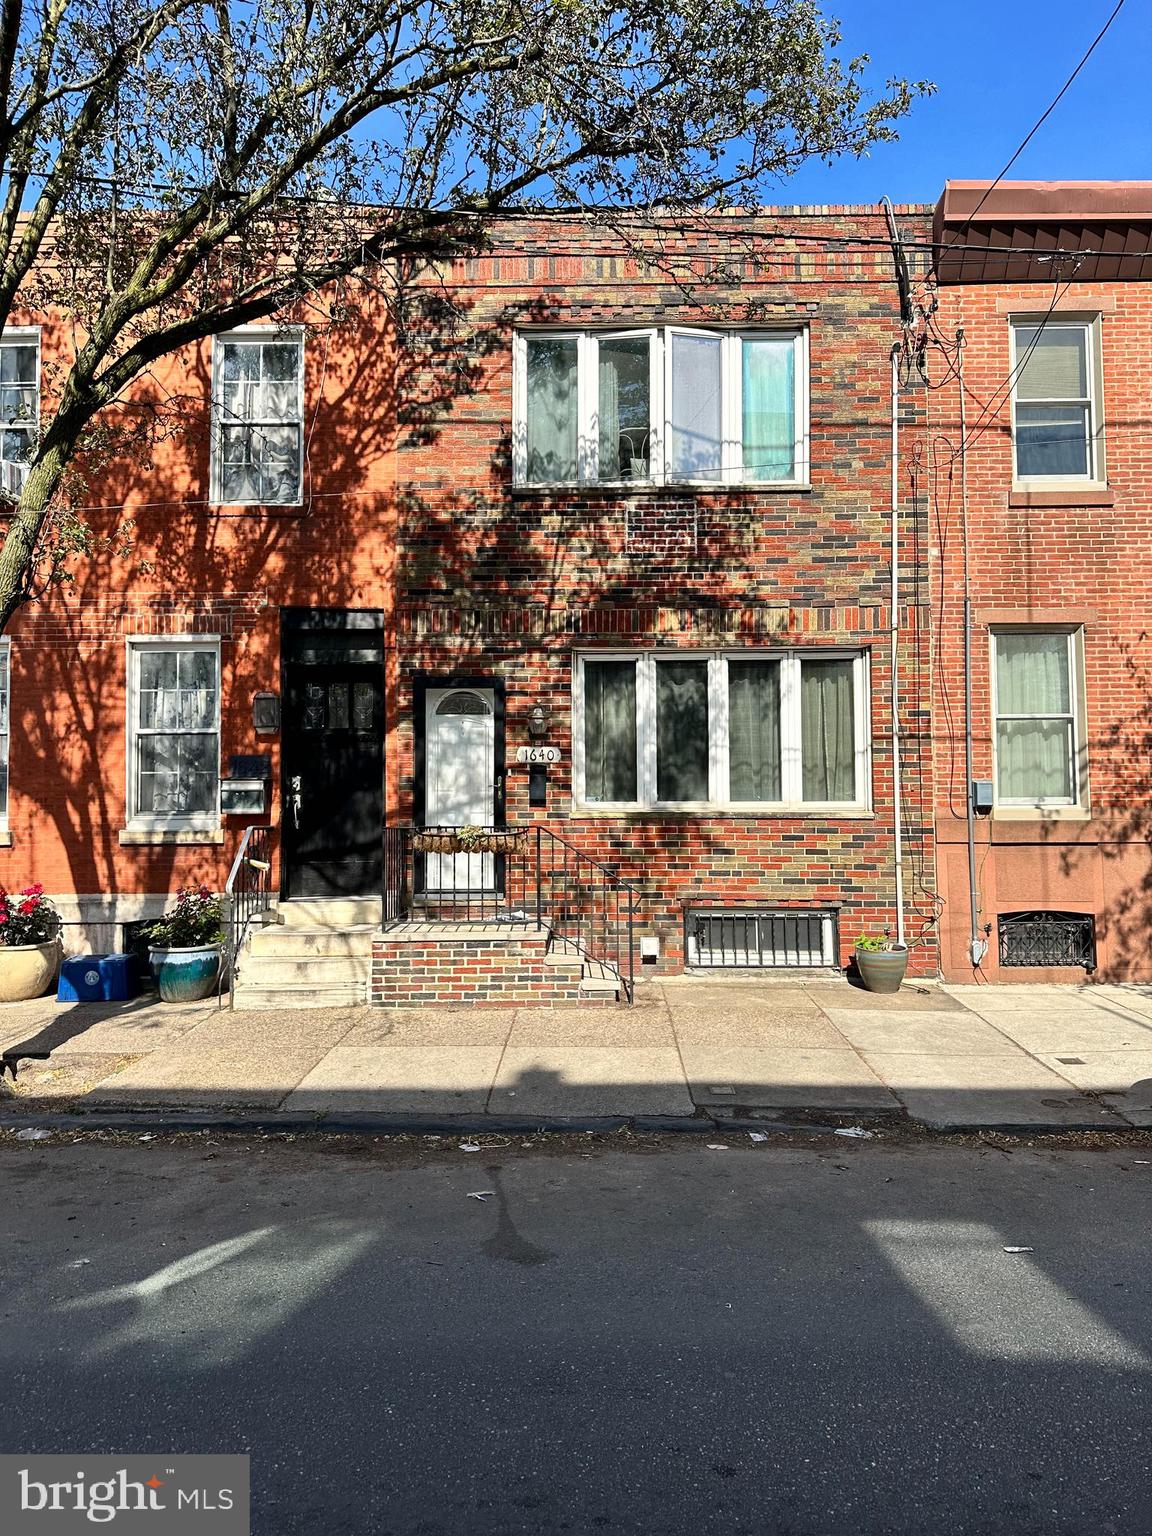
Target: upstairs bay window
x: 1056, y: 430
x: 661, y: 405
x: 258, y: 417
x: 739, y: 730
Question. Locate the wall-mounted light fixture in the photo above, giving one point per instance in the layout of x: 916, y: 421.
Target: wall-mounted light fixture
x: 537, y: 722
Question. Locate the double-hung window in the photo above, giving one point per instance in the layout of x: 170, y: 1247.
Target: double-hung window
x: 1056, y: 428
x: 174, y: 732
x: 667, y: 404
x: 1035, y: 700
x: 734, y: 729
x: 19, y: 405
x: 258, y: 417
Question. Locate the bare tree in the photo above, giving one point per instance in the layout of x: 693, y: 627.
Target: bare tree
x: 173, y: 168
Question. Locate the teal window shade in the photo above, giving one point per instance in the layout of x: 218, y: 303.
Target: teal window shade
x: 768, y: 393
x: 610, y: 732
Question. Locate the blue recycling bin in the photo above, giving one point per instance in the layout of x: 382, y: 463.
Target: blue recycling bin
x: 98, y: 979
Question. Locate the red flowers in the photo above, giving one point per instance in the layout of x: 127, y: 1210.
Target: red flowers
x: 30, y: 920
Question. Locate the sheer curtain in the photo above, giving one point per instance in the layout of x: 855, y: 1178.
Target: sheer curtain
x: 827, y: 730
x: 1034, y: 749
x: 695, y: 407
x: 609, y: 416
x: 754, y: 730
x: 768, y: 380
x: 610, y: 731
x: 681, y: 730
x: 551, y: 408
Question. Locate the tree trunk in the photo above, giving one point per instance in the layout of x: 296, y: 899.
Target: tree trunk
x: 17, y: 555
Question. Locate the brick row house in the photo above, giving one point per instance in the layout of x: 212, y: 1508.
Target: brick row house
x: 590, y: 553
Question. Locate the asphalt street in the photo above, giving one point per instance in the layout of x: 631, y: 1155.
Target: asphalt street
x: 826, y: 1338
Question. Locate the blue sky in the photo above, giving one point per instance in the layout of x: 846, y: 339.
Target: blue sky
x: 997, y: 64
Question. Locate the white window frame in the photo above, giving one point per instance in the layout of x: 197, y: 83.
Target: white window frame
x: 6, y: 731
x: 1074, y: 637
x: 660, y: 386
x: 270, y: 335
x: 200, y: 821
x: 1090, y: 326
x: 791, y: 764
x: 12, y: 475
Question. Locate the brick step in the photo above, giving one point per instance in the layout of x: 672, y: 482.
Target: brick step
x: 493, y: 964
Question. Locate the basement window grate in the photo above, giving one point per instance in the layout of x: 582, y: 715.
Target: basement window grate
x: 761, y: 938
x: 1047, y: 938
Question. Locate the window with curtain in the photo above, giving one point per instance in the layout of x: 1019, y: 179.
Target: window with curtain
x: 725, y: 729
x: 258, y: 442
x: 610, y: 732
x: 552, y: 401
x: 1035, y: 718
x: 5, y: 651
x: 754, y: 730
x: 175, y: 718
x: 668, y: 404
x: 1053, y: 401
x: 19, y: 408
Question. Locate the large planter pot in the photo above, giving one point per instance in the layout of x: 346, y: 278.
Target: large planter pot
x: 185, y: 975
x: 882, y: 970
x: 27, y: 970
x: 497, y: 841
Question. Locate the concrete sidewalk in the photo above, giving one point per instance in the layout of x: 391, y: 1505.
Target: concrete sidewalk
x: 951, y: 1057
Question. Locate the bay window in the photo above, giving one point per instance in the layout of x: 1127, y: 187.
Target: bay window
x: 1036, y: 706
x: 174, y: 732
x: 258, y: 417
x: 667, y: 404
x: 731, y: 729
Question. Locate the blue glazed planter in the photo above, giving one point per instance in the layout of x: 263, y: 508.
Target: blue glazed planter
x: 185, y: 975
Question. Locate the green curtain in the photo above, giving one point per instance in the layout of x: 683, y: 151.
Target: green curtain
x: 769, y: 408
x: 610, y: 731
x: 552, y: 408
x: 681, y: 730
x: 754, y: 730
x: 1033, y: 755
x: 827, y: 730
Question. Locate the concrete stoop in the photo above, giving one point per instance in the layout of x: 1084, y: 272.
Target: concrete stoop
x: 311, y: 954
x: 332, y: 954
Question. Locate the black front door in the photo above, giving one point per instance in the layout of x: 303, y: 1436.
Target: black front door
x: 333, y: 748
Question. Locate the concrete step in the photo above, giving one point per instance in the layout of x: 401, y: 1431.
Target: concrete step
x: 299, y: 996
x: 319, y: 970
x: 599, y: 986
x: 339, y: 912
x: 308, y: 943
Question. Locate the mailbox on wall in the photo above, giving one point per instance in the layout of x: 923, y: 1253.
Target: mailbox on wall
x: 244, y: 790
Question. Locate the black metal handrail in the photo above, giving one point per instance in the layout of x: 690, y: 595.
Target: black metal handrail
x: 513, y: 874
x: 248, y: 890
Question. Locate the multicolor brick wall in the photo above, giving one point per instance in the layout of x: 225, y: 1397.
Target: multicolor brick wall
x: 497, y: 972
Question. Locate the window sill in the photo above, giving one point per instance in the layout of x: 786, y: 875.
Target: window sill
x: 1064, y: 494
x: 619, y: 488
x: 145, y: 837
x: 721, y: 813
x: 1040, y: 813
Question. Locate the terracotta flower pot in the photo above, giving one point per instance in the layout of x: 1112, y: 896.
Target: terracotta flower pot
x: 27, y: 970
x: 186, y: 975
x: 882, y: 970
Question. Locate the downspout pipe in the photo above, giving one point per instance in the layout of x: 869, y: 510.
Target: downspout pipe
x: 897, y: 815
x: 977, y: 945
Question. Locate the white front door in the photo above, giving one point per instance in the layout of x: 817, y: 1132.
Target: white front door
x: 459, y: 781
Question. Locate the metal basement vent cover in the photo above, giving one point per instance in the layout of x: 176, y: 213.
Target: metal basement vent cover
x: 771, y: 938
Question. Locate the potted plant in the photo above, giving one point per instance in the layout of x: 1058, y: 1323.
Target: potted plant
x: 881, y: 961
x: 184, y: 950
x: 29, y: 944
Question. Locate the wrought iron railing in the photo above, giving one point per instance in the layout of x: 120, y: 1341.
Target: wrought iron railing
x: 248, y: 890
x: 513, y: 874
x: 1047, y: 938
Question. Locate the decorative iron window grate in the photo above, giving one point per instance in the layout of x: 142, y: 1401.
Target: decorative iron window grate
x: 1047, y: 938
x: 763, y: 938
